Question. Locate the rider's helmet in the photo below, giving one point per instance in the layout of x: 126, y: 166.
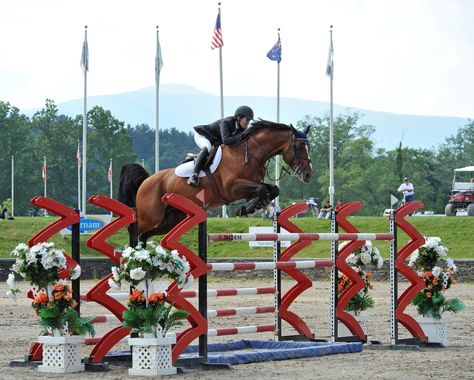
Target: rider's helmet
x: 244, y: 111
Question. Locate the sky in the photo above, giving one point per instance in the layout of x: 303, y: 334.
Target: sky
x: 405, y: 56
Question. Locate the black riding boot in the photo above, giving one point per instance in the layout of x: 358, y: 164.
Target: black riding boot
x: 198, y: 166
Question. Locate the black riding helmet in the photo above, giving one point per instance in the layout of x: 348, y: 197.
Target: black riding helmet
x: 244, y: 111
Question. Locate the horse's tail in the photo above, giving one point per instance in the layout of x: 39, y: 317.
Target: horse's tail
x: 131, y: 177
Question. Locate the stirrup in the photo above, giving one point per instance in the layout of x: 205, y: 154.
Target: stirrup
x: 193, y: 180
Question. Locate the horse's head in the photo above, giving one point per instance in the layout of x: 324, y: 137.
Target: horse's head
x: 297, y: 154
x: 286, y: 140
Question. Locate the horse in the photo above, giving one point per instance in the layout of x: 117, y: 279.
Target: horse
x: 238, y: 176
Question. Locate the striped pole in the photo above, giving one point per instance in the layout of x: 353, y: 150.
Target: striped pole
x: 299, y: 236
x: 214, y: 267
x: 210, y: 332
x: 210, y: 293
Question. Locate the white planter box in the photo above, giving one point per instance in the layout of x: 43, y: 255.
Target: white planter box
x: 435, y: 329
x: 343, y: 331
x: 152, y: 356
x: 61, y: 354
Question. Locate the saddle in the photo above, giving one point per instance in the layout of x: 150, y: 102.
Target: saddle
x: 192, y: 156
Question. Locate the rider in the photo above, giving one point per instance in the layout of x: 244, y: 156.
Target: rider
x: 226, y: 131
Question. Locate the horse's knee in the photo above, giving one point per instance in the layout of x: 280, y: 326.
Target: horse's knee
x: 273, y: 192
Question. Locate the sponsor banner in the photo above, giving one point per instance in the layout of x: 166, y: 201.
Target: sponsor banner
x: 266, y: 244
x: 90, y: 224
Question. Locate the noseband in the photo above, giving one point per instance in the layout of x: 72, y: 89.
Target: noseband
x: 298, y: 167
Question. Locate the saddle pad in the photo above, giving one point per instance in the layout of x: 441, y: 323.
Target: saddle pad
x: 186, y: 169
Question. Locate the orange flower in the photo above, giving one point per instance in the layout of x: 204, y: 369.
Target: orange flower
x: 156, y: 297
x: 369, y: 275
x: 136, y: 296
x: 41, y: 299
x: 58, y: 287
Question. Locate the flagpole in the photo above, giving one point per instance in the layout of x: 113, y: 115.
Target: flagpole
x: 110, y: 180
x: 277, y: 158
x: 13, y: 187
x: 78, y: 175
x: 224, y: 208
x: 45, y: 176
x: 157, y: 79
x: 84, y: 125
x: 331, y: 132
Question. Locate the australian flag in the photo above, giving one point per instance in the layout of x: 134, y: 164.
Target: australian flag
x: 275, y: 53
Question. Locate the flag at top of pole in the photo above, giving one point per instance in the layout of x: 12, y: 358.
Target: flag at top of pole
x: 217, y: 40
x: 109, y: 173
x: 330, y: 65
x: 85, y: 54
x: 43, y: 170
x: 78, y: 154
x: 275, y: 53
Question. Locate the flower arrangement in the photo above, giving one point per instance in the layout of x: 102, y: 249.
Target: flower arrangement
x: 149, y: 312
x: 432, y: 264
x: 359, y: 260
x: 53, y: 301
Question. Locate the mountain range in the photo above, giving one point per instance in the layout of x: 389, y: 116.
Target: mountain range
x: 183, y: 106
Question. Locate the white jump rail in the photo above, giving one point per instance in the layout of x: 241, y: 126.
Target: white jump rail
x: 298, y: 236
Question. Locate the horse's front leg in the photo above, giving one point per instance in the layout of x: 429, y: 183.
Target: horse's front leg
x: 260, y: 195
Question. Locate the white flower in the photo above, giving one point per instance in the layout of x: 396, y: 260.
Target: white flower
x: 351, y: 259
x: 115, y: 274
x: 137, y: 274
x: 379, y: 262
x: 413, y: 258
x: 76, y: 272
x: 142, y: 255
x: 127, y: 252
x: 436, y: 271
x: 441, y: 250
x: 365, y: 257
x: 113, y: 284
x: 450, y: 264
x: 188, y: 282
x: 11, y: 281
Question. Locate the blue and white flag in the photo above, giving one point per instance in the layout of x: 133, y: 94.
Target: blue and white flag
x: 275, y: 53
x: 85, y: 54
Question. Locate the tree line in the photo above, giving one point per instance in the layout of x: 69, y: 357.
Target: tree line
x: 362, y: 171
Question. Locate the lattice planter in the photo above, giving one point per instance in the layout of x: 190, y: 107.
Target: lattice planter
x: 436, y: 330
x: 152, y: 356
x: 61, y: 354
x: 343, y: 331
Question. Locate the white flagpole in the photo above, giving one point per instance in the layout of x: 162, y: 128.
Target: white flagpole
x: 277, y: 158
x: 45, y: 170
x: 224, y: 208
x: 13, y: 187
x: 331, y: 129
x: 158, y: 65
x: 78, y: 177
x: 85, y: 61
x: 110, y: 182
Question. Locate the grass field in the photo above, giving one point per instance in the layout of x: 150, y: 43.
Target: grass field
x: 457, y: 234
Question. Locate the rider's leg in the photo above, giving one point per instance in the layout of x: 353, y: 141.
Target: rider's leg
x: 205, y: 146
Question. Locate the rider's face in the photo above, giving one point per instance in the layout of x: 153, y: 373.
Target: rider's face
x: 244, y: 122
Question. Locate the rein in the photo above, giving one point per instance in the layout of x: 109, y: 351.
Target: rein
x: 284, y: 170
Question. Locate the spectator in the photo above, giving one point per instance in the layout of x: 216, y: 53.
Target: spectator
x: 268, y: 213
x: 339, y: 204
x: 313, y: 206
x: 325, y: 211
x: 408, y: 190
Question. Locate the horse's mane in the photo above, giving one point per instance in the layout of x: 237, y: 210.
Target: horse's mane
x: 260, y: 124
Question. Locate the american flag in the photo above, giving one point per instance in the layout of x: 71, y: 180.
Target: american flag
x: 43, y: 171
x: 78, y: 155
x: 109, y: 173
x: 217, y: 36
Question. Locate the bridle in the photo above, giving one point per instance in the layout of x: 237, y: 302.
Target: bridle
x: 297, y: 167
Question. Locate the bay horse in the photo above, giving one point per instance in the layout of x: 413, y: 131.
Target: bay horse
x: 238, y: 176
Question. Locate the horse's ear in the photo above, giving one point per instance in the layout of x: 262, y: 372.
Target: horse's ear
x: 306, y: 130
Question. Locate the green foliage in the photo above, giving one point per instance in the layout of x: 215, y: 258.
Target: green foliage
x: 144, y: 315
x: 359, y: 303
x: 361, y: 171
x: 436, y: 305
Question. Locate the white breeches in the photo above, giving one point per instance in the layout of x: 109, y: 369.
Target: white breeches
x: 202, y: 142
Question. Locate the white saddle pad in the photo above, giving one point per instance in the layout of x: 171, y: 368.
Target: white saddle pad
x: 186, y: 169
